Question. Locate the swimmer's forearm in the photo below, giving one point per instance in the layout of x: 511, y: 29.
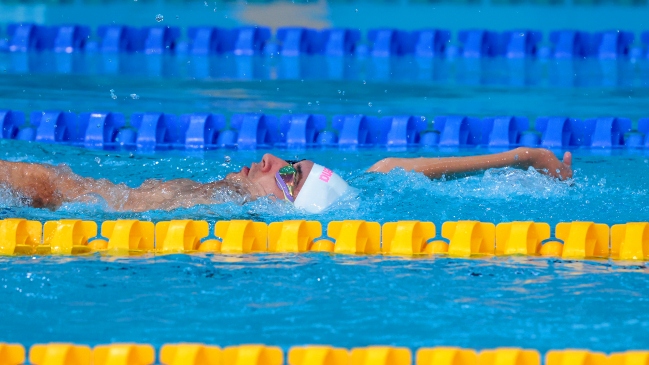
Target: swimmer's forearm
x: 436, y: 168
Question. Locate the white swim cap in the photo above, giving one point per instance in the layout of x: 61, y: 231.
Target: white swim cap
x: 321, y: 189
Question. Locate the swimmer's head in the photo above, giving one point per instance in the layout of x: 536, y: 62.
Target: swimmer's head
x: 313, y: 187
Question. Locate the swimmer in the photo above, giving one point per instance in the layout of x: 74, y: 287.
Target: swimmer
x: 309, y: 186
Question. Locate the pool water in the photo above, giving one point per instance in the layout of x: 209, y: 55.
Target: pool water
x: 605, y: 188
x: 345, y: 301
x: 340, y: 300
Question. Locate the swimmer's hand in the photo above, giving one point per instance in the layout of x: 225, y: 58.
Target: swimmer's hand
x: 450, y: 167
x: 547, y: 163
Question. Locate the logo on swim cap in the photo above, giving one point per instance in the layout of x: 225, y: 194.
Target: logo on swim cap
x: 321, y: 189
x: 326, y: 174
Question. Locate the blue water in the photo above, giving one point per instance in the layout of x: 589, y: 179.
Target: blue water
x: 605, y: 188
x: 628, y: 73
x: 340, y: 300
x: 344, y: 301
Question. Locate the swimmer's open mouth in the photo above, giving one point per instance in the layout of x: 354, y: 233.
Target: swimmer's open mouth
x: 245, y: 170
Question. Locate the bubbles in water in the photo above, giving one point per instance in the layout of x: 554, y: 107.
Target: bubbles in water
x: 309, y: 103
x: 135, y: 96
x: 112, y: 94
x: 364, y: 82
x: 97, y: 160
x: 227, y: 159
x: 369, y: 104
x: 385, y: 91
x: 159, y: 18
x: 339, y: 91
x: 205, y: 2
x: 356, y: 10
x: 423, y: 119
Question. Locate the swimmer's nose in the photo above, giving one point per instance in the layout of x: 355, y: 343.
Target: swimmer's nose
x: 270, y: 162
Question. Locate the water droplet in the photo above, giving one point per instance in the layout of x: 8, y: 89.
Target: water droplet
x: 379, y: 111
x: 112, y: 91
x: 135, y: 96
x: 423, y: 119
x: 515, y: 157
x: 369, y: 104
x: 159, y: 18
x: 113, y: 96
x: 97, y: 160
x: 317, y: 102
x: 339, y: 91
x: 385, y: 91
x: 277, y: 89
x: 177, y: 17
x: 227, y: 159
x: 309, y: 103
x: 364, y: 82
x: 205, y: 2
x: 356, y: 10
x: 558, y: 171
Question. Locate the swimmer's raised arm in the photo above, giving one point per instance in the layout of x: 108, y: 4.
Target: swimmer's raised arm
x: 33, y: 182
x: 541, y: 159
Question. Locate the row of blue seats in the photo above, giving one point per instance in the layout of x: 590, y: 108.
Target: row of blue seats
x: 246, y: 131
x: 293, y: 41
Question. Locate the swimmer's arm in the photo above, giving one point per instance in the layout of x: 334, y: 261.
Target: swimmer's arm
x: 521, y: 158
x: 43, y: 185
x: 32, y: 181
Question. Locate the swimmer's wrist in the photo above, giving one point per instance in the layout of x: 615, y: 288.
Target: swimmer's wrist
x: 525, y: 157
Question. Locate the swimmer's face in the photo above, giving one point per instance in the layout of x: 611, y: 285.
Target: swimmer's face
x: 259, y: 178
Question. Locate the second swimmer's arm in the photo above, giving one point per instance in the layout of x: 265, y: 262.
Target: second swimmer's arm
x: 521, y: 158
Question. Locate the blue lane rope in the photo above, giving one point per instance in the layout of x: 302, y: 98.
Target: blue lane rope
x: 200, y: 131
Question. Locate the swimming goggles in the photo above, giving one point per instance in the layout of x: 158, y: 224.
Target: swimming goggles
x: 285, y: 179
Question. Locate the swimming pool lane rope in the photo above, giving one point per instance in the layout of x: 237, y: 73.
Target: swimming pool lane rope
x: 201, y: 354
x: 574, y: 240
x: 201, y: 131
